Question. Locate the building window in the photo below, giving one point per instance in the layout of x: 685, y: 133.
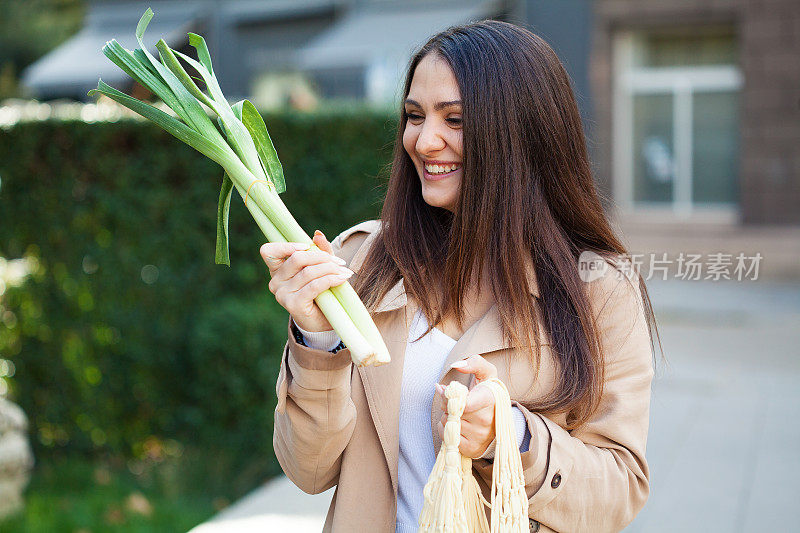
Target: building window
x: 676, y: 119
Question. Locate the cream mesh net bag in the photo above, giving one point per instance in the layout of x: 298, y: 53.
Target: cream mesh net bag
x: 453, y: 500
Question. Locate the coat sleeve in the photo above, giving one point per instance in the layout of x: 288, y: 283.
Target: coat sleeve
x: 595, y: 477
x: 315, y: 415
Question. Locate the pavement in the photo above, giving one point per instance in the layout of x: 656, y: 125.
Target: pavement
x: 725, y: 419
x: 725, y: 410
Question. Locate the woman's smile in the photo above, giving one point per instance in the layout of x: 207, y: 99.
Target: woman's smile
x: 438, y: 170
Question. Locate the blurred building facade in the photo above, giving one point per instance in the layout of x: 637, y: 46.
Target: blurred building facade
x: 691, y: 107
x: 700, y: 100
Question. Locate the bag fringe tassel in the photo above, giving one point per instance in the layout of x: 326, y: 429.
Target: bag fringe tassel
x: 453, y: 499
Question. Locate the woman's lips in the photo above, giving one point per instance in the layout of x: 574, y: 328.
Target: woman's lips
x: 436, y: 177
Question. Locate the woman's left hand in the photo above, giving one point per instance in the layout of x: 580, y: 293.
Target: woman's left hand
x: 477, y: 422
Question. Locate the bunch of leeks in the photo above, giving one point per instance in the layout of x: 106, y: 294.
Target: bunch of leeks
x: 245, y: 151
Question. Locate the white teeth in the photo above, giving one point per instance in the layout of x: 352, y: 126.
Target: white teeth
x: 440, y: 169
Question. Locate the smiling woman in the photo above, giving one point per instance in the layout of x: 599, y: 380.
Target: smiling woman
x: 433, y: 135
x: 471, y: 274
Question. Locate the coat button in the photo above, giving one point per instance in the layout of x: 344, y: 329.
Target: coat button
x: 534, y: 525
x: 556, y: 481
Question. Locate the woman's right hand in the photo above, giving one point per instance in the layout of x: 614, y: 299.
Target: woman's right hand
x: 299, y: 275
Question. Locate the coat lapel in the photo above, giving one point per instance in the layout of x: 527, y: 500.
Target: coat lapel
x: 382, y: 384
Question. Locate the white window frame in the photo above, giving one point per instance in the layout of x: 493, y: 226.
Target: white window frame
x: 681, y: 83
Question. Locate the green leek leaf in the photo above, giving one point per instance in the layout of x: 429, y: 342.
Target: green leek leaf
x: 143, y: 22
x: 236, y: 132
x: 172, y: 125
x: 254, y: 123
x: 143, y: 73
x: 237, y: 112
x: 142, y: 58
x: 211, y: 82
x: 222, y: 256
x: 199, y: 44
x: 172, y: 63
x: 190, y: 109
x: 237, y: 109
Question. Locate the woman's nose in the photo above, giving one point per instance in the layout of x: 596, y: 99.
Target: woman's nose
x: 429, y: 140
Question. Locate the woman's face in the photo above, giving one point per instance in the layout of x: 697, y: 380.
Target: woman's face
x: 433, y: 135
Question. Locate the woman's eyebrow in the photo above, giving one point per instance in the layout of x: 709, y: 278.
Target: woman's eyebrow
x: 438, y: 106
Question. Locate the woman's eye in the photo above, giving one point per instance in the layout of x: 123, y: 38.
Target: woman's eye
x: 454, y: 120
x: 413, y: 116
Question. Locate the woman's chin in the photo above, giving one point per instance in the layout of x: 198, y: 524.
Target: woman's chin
x: 441, y: 193
x: 438, y: 202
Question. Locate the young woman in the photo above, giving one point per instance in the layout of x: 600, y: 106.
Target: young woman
x: 471, y: 272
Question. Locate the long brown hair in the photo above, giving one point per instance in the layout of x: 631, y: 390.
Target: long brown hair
x: 526, y: 194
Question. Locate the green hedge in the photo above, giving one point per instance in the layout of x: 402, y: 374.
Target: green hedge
x: 127, y: 339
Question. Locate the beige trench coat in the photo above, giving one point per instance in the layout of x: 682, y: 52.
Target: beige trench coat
x: 336, y: 424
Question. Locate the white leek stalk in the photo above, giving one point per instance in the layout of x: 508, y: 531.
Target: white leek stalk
x: 246, y: 153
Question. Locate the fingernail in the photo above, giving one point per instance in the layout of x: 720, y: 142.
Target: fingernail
x: 346, y: 273
x: 339, y: 261
x: 301, y: 246
x: 459, y: 364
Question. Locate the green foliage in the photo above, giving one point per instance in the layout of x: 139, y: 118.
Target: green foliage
x: 128, y: 335
x: 78, y: 495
